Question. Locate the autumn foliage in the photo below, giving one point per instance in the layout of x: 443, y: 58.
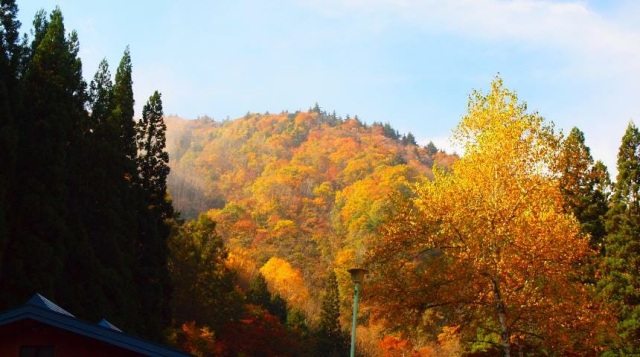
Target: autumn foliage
x: 293, y: 195
x: 488, y: 245
x: 488, y: 254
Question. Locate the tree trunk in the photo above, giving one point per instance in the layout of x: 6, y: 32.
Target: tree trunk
x: 505, y: 334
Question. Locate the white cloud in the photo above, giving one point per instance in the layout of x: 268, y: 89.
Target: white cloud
x: 569, y: 26
x: 443, y: 143
x: 594, y: 52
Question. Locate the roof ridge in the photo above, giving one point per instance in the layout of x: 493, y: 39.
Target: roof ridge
x: 109, y: 325
x: 44, y: 303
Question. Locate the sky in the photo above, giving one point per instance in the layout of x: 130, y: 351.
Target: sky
x: 411, y: 63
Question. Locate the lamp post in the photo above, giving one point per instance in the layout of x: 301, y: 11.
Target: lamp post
x: 357, y: 275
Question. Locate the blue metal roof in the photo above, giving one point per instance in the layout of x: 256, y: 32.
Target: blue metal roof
x: 41, y: 309
x: 41, y: 301
x: 107, y: 324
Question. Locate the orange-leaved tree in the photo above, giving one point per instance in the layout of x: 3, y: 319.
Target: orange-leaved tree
x: 487, y: 244
x: 286, y: 281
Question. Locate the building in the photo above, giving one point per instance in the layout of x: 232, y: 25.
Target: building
x: 41, y: 328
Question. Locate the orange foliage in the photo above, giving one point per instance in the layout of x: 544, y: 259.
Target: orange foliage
x: 240, y: 261
x: 283, y: 279
x: 272, y: 181
x: 199, y: 341
x: 395, y: 347
x: 486, y: 244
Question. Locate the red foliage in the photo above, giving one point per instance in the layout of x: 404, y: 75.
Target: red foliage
x: 258, y: 333
x: 198, y: 341
x: 393, y: 346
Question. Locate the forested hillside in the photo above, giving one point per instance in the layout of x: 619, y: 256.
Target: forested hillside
x: 234, y: 237
x: 304, y: 186
x: 517, y: 246
x: 304, y: 191
x: 215, y: 163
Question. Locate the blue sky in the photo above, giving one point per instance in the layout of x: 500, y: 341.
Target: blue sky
x: 411, y: 63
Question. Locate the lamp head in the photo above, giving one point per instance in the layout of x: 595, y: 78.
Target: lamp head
x: 357, y: 274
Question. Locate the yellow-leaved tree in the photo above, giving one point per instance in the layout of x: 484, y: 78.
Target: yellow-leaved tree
x: 287, y: 282
x: 486, y: 247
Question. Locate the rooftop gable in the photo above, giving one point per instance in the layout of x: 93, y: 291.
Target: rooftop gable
x: 40, y: 301
x: 41, y: 309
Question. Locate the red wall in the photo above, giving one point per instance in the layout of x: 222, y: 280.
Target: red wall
x: 66, y: 344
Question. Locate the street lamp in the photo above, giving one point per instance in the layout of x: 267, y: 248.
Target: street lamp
x: 357, y: 275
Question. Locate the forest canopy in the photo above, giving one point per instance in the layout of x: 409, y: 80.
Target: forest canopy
x: 234, y: 237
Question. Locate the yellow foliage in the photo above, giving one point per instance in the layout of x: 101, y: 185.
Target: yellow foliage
x: 288, y: 282
x: 240, y: 261
x: 491, y: 235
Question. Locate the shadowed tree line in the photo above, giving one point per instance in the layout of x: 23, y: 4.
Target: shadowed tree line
x: 83, y: 198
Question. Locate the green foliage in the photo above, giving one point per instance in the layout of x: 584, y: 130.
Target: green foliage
x: 331, y: 340
x: 584, y: 186
x: 79, y: 230
x: 409, y: 139
x: 101, y: 99
x: 153, y: 159
x: 258, y: 293
x: 11, y: 56
x: 389, y: 131
x: 278, y: 308
x: 47, y: 130
x: 431, y: 148
x: 204, y: 288
x: 620, y: 283
x: 123, y: 110
x: 156, y: 211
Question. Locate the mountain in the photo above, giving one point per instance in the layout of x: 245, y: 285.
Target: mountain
x: 307, y: 187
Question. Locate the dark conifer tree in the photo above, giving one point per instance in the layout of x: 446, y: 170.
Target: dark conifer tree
x: 11, y: 53
x: 431, y: 148
x: 258, y: 293
x: 593, y: 218
x: 123, y: 111
x: 331, y: 340
x: 101, y: 100
x: 49, y: 132
x: 621, y: 282
x: 278, y: 308
x: 153, y: 159
x: 152, y: 276
x: 85, y: 226
x: 103, y: 201
x: 409, y: 139
x: 584, y: 186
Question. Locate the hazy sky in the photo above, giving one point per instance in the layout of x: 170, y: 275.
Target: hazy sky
x: 411, y: 63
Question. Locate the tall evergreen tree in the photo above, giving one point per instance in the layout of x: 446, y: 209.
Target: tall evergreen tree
x: 11, y: 52
x: 104, y: 208
x: 85, y: 226
x: 101, y: 98
x: 123, y: 111
x: 584, y: 186
x: 153, y: 159
x: 49, y: 132
x: 621, y: 282
x: 331, y: 339
x: 153, y: 169
x: 258, y: 293
x: 593, y: 218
